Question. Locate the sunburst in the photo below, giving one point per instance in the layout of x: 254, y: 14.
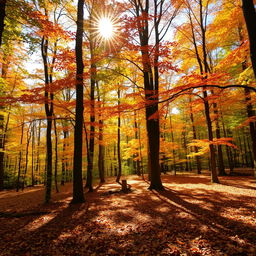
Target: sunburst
x: 107, y: 30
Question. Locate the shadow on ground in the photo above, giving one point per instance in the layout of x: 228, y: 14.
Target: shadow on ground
x: 191, y: 217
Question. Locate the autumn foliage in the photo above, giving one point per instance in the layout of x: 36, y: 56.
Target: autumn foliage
x: 96, y: 89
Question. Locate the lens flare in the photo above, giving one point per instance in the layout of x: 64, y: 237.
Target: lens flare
x: 106, y: 28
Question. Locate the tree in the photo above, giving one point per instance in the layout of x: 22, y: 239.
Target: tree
x: 198, y: 13
x: 101, y: 158
x: 250, y: 17
x: 2, y: 17
x: 119, y: 173
x: 93, y: 74
x: 150, y: 68
x: 78, y: 196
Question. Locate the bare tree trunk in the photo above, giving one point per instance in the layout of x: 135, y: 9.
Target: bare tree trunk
x: 1, y: 153
x: 140, y: 150
x: 186, y: 150
x: 56, y: 157
x: 119, y: 141
x: 101, y: 165
x: 2, y: 17
x: 173, y: 150
x: 26, y: 159
x: 250, y: 151
x: 221, y: 166
x: 198, y: 161
x: 214, y: 177
x: 37, y: 170
x: 137, y: 162
x: 78, y: 195
x: 92, y: 128
x: 250, y: 113
x: 245, y: 149
x: 49, y: 114
x: 64, y: 158
x: 250, y: 17
x: 20, y: 158
x: 32, y: 154
x: 93, y: 73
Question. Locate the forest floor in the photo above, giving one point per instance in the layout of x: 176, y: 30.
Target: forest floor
x: 191, y: 217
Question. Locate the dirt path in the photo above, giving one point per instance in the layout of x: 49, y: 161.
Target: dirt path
x: 192, y: 217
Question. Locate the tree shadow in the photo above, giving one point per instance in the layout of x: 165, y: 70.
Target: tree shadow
x: 185, y: 179
x: 210, y: 217
x: 141, y: 222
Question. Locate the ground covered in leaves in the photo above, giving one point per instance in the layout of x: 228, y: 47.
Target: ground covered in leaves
x: 191, y: 217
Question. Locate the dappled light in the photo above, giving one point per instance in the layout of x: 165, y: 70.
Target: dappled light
x: 127, y: 127
x: 206, y: 218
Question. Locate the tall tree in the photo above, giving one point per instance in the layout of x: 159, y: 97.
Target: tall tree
x: 198, y: 13
x: 2, y: 17
x: 250, y: 17
x: 119, y: 173
x: 150, y: 69
x: 93, y: 73
x: 49, y: 114
x: 101, y: 159
x: 78, y: 195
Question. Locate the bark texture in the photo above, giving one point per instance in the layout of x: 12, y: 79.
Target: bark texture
x: 78, y: 195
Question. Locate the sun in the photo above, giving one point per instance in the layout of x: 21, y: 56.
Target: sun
x: 106, y: 28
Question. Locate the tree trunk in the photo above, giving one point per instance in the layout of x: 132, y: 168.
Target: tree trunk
x: 221, y: 166
x: 32, y: 154
x: 20, y: 158
x: 101, y: 165
x: 185, y: 150
x: 49, y: 114
x: 27, y: 158
x: 214, y: 177
x: 78, y: 195
x: 198, y: 161
x: 119, y: 173
x: 92, y: 128
x: 49, y: 160
x: 56, y: 157
x: 37, y: 170
x: 136, y: 162
x: 250, y: 17
x: 140, y: 150
x: 173, y: 150
x: 1, y: 153
x: 245, y: 149
x: 2, y: 17
x: 150, y: 89
x: 250, y: 113
x: 64, y: 158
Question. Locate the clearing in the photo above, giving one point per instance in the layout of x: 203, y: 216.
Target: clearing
x: 192, y: 217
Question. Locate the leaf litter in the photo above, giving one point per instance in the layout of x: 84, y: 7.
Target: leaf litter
x: 191, y: 217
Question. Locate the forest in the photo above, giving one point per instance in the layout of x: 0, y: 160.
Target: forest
x: 127, y: 127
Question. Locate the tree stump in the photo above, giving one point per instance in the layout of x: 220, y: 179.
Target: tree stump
x: 124, y: 186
